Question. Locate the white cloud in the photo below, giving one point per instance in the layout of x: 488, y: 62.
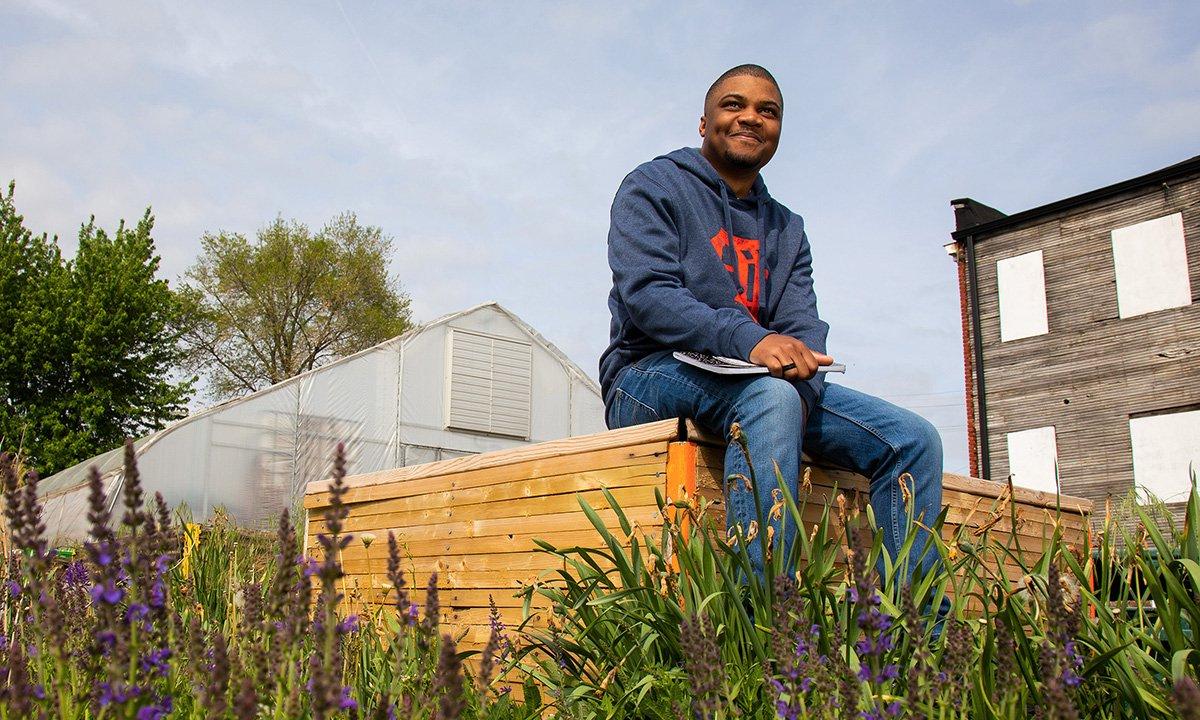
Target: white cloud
x: 58, y: 11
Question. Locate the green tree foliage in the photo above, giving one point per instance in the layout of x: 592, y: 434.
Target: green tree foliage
x: 87, y: 347
x: 288, y: 301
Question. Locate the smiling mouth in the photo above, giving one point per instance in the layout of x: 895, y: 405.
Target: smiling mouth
x: 747, y: 136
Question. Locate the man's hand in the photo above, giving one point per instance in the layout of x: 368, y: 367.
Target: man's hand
x: 788, y: 358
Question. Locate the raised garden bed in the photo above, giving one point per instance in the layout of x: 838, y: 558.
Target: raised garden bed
x: 473, y: 520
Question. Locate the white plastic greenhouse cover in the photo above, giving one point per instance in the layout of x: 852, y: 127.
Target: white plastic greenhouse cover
x: 253, y: 456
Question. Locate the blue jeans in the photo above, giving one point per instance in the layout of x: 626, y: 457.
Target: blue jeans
x: 847, y: 428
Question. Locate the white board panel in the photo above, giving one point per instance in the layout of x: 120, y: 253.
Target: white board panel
x: 1033, y: 459
x: 1166, y: 452
x: 1021, y: 284
x: 1150, y: 259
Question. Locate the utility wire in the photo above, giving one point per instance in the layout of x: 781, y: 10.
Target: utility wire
x: 925, y: 394
x: 370, y: 59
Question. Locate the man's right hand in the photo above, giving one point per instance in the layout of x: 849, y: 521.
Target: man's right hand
x: 776, y: 352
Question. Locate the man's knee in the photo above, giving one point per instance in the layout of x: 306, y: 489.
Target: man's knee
x: 916, y: 434
x: 774, y: 400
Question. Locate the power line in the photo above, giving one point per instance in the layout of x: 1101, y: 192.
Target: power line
x: 925, y: 394
x: 367, y: 53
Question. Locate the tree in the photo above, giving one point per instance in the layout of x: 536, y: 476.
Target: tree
x: 87, y: 347
x: 288, y: 301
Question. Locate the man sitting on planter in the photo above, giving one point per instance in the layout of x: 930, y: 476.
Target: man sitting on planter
x: 705, y: 260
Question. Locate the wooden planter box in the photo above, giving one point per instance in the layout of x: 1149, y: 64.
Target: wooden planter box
x: 473, y: 519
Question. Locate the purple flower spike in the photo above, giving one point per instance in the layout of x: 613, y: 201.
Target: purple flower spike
x: 156, y: 661
x: 107, y: 639
x: 107, y: 593
x: 76, y: 574
x: 1070, y: 679
x: 115, y: 696
x: 158, y: 594
x: 104, y: 555
x: 156, y: 711
x: 346, y: 702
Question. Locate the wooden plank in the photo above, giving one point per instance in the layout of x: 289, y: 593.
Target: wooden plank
x: 489, y: 545
x: 1028, y: 532
x: 525, y: 508
x: 513, y: 561
x: 664, y: 431
x: 471, y: 637
x: 511, y: 617
x: 597, y: 461
x: 440, y: 507
x: 447, y: 597
x: 487, y: 527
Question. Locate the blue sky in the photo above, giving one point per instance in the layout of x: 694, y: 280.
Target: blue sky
x: 488, y: 139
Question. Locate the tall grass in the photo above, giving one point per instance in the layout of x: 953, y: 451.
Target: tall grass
x: 643, y: 625
x: 839, y: 630
x: 247, y: 627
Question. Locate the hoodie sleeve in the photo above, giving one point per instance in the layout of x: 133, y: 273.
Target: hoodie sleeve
x: 796, y: 315
x: 644, y: 253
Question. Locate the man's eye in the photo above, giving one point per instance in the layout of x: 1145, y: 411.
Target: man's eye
x: 732, y: 105
x: 770, y: 112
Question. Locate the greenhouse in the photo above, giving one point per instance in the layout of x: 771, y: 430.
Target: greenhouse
x: 473, y: 381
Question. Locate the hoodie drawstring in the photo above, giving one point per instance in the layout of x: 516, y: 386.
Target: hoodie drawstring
x: 763, y: 291
x: 737, y: 272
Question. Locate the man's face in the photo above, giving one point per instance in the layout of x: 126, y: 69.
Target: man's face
x: 741, y: 123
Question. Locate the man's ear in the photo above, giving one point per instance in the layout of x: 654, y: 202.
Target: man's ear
x: 702, y: 126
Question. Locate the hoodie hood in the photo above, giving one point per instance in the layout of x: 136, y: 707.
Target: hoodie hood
x: 692, y: 161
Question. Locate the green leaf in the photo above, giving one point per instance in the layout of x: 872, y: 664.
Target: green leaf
x: 1179, y: 663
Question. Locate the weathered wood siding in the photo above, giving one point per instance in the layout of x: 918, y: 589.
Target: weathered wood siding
x: 1093, y: 369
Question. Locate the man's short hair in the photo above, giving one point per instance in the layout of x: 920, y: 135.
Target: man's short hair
x: 750, y: 69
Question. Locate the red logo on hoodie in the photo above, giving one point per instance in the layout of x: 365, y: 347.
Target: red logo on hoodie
x: 748, y: 275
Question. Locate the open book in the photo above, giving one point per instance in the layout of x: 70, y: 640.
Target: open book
x: 733, y: 366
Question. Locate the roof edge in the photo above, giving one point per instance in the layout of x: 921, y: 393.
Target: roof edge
x: 1187, y: 167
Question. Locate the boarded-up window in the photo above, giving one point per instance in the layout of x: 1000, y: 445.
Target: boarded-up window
x: 1033, y: 459
x: 1166, y: 451
x: 1151, y: 265
x: 1021, y: 284
x: 490, y: 382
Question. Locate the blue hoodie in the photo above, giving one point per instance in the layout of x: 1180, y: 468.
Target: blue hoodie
x: 679, y: 284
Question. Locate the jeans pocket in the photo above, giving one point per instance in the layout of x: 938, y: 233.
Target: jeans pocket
x: 631, y: 411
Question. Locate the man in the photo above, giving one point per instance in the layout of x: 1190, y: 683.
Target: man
x: 703, y: 259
